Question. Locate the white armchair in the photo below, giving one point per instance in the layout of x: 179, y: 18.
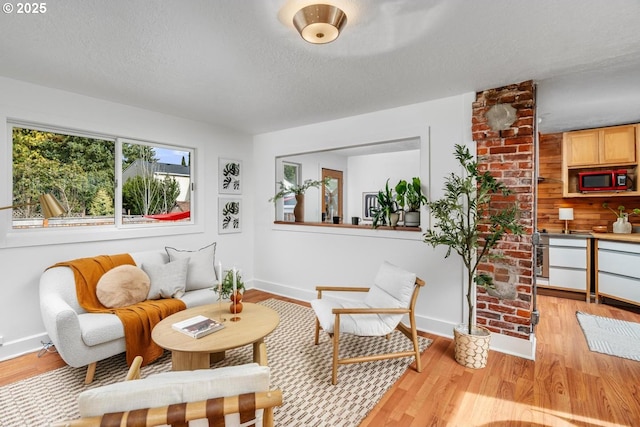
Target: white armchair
x: 392, y: 296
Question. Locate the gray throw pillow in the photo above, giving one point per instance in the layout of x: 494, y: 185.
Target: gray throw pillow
x: 167, y: 280
x: 201, y: 272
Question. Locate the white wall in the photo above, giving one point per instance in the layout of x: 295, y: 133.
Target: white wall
x: 291, y: 260
x: 20, y: 323
x: 369, y: 173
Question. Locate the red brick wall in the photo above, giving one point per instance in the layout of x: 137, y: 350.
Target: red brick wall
x: 510, y: 156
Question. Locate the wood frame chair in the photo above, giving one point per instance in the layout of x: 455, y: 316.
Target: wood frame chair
x: 179, y: 415
x: 409, y: 331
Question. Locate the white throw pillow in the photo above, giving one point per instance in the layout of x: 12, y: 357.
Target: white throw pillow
x: 167, y: 280
x: 392, y: 287
x: 122, y: 286
x: 201, y: 272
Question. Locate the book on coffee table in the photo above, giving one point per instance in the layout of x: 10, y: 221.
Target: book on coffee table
x: 198, y: 326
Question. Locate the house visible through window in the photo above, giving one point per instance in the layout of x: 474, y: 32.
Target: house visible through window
x: 151, y: 186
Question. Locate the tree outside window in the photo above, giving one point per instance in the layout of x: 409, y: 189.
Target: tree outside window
x: 80, y: 172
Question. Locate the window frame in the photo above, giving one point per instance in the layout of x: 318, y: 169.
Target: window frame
x: 10, y: 237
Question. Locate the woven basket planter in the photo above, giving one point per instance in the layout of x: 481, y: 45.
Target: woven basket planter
x: 472, y: 350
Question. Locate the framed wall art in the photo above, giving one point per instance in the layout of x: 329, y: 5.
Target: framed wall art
x: 229, y: 176
x: 369, y: 201
x: 229, y: 215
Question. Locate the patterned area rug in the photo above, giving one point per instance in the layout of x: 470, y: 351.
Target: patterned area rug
x: 300, y: 369
x: 611, y: 336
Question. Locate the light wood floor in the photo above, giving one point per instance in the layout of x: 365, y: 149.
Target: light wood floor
x: 567, y: 385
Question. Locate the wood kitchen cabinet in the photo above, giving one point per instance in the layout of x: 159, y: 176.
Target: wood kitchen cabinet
x: 601, y: 147
x: 615, y: 147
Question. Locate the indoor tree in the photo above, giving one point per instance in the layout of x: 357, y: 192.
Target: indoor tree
x: 471, y: 219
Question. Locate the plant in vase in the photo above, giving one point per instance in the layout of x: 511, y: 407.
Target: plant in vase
x: 386, y: 211
x: 415, y: 198
x: 286, y: 188
x: 469, y: 222
x: 225, y: 290
x: 622, y: 224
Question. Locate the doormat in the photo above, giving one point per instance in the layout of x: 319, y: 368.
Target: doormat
x: 611, y: 336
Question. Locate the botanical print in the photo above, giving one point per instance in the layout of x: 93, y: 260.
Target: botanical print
x: 229, y: 176
x: 229, y: 215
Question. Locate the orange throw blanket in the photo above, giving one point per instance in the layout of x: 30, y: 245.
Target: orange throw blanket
x: 138, y: 319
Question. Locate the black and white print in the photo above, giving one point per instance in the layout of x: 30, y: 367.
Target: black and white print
x: 229, y: 215
x: 229, y: 176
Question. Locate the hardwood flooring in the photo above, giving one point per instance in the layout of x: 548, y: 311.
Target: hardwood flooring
x: 567, y: 385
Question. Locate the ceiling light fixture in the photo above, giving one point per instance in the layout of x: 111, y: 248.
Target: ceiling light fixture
x: 319, y: 23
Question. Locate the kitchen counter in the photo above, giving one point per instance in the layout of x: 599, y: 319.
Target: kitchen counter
x: 617, y: 237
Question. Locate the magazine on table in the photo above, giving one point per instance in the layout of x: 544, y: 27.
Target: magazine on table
x: 198, y: 326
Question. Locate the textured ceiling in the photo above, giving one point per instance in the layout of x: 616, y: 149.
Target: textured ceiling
x: 241, y: 64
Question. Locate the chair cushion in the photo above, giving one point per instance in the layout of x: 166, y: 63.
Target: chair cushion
x: 167, y: 280
x: 392, y: 287
x: 122, y: 286
x: 175, y: 387
x: 364, y: 325
x: 201, y: 271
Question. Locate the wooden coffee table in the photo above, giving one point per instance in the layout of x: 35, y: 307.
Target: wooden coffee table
x: 187, y: 353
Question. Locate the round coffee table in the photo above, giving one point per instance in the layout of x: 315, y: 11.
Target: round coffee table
x: 187, y: 353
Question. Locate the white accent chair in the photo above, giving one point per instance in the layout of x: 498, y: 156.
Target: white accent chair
x: 393, y: 295
x: 229, y: 396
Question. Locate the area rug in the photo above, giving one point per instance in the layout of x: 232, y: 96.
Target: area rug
x: 299, y: 368
x: 611, y: 336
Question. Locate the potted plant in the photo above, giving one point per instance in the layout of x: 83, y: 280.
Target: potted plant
x: 386, y: 211
x: 225, y: 290
x: 467, y: 221
x: 415, y: 198
x: 298, y: 191
x: 401, y: 193
x: 622, y: 224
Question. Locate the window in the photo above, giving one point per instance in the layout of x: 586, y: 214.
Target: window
x: 99, y: 180
x: 291, y: 173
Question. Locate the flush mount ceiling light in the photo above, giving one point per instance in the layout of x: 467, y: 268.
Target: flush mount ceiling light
x: 319, y: 23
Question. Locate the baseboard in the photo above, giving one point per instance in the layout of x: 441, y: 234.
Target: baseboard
x: 12, y: 349
x: 502, y: 343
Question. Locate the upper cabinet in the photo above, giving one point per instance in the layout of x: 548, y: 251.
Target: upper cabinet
x: 613, y: 147
x: 606, y: 146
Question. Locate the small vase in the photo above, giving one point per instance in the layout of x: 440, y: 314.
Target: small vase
x: 393, y: 218
x: 622, y: 225
x: 236, y: 304
x: 298, y: 209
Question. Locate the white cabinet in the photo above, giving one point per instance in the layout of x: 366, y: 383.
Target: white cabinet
x: 569, y: 264
x: 618, y: 271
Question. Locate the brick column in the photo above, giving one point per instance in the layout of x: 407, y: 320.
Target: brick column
x: 510, y: 157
